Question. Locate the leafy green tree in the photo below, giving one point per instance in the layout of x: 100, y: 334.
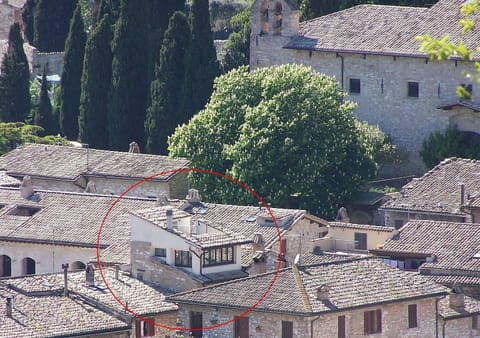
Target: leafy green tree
x: 52, y: 23
x: 163, y: 114
x: 71, y: 76
x: 285, y: 131
x: 236, y: 51
x: 43, y: 115
x: 201, y: 60
x: 13, y: 134
x: 129, y: 89
x: 14, y: 80
x: 97, y: 73
x: 28, y: 19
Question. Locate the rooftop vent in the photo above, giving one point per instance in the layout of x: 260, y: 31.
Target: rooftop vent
x: 323, y: 292
x: 456, y: 299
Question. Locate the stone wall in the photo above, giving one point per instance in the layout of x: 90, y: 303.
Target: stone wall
x: 392, y: 216
x: 52, y: 62
x: 458, y: 327
x: 383, y: 99
x: 7, y: 18
x: 269, y: 325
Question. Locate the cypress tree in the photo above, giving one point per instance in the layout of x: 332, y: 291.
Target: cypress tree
x: 27, y: 18
x: 129, y: 88
x: 14, y: 80
x: 51, y: 24
x: 97, y: 73
x: 71, y: 76
x: 163, y: 114
x: 43, y: 115
x: 201, y: 60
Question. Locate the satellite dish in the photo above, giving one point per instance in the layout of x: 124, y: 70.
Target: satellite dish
x: 297, y: 259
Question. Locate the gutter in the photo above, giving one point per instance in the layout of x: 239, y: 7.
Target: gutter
x: 341, y: 68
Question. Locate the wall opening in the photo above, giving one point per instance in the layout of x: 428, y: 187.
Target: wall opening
x: 28, y: 266
x: 5, y: 266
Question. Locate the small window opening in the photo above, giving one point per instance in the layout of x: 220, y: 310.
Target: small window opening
x: 23, y: 211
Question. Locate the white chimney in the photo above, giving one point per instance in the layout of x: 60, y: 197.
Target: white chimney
x: 169, y: 221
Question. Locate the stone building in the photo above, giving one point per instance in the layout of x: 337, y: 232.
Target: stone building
x: 446, y: 252
x: 64, y: 168
x: 79, y: 304
x: 352, y: 298
x: 372, y: 51
x: 10, y: 12
x: 448, y: 192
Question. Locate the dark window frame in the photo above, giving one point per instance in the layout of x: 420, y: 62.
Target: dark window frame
x: 360, y: 241
x: 183, y: 258
x: 398, y: 223
x: 412, y: 316
x: 469, y: 88
x: 161, y: 252
x: 413, y: 89
x: 341, y: 327
x: 372, y: 321
x: 219, y: 256
x: 287, y: 329
x: 354, y: 86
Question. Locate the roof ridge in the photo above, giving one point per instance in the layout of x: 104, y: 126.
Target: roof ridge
x: 301, y: 288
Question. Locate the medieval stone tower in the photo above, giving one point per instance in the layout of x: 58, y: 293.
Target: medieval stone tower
x: 274, y: 23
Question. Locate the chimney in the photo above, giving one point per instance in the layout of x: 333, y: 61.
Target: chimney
x: 134, y: 148
x: 193, y: 196
x: 116, y: 271
x: 90, y: 275
x: 162, y: 200
x: 91, y: 188
x: 258, y: 242
x: 456, y: 299
x: 169, y: 221
x: 323, y: 292
x: 26, y: 188
x: 462, y: 194
x: 65, y: 279
x: 9, y: 307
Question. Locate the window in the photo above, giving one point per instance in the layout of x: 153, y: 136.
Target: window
x: 354, y: 86
x: 372, y: 321
x: 196, y: 322
x: 413, y: 89
x: 360, y: 241
x: 278, y: 17
x: 23, y: 211
x: 287, y: 329
x: 145, y: 328
x: 5, y: 266
x: 264, y: 17
x: 475, y: 322
x: 241, y: 327
x: 412, y: 316
x: 183, y: 258
x: 341, y: 327
x: 160, y: 252
x: 218, y: 256
x: 28, y: 266
x: 398, y: 223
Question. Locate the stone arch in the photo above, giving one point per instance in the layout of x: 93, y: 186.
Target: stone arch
x: 78, y: 265
x: 28, y: 266
x: 264, y: 17
x: 278, y: 17
x: 5, y: 266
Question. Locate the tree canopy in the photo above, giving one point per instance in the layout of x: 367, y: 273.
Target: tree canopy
x: 285, y: 131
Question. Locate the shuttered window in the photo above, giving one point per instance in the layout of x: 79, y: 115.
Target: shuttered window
x: 341, y: 327
x: 372, y: 321
x: 412, y: 316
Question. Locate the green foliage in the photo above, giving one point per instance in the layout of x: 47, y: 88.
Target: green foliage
x: 220, y: 14
x: 451, y: 143
x: 71, y: 76
x: 285, y: 131
x: 129, y: 87
x: 163, y: 114
x: 236, y: 51
x: 13, y: 134
x: 14, y: 80
x: 52, y: 23
x: 43, y: 115
x: 378, y: 147
x: 28, y: 19
x: 95, y: 85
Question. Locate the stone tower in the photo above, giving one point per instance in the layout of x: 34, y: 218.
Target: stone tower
x: 274, y: 23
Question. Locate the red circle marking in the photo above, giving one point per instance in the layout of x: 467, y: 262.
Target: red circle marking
x: 204, y: 171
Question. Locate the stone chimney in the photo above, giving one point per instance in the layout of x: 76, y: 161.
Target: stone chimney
x: 65, y: 279
x: 162, y: 200
x: 456, y: 300
x: 193, y: 196
x: 342, y: 215
x: 91, y: 188
x: 134, y: 148
x: 323, y: 292
x: 258, y: 242
x: 169, y: 220
x: 90, y: 275
x: 26, y: 188
x: 9, y: 307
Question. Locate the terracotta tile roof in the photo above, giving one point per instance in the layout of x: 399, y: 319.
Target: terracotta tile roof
x: 472, y: 306
x: 451, y: 280
x: 67, y: 218
x: 70, y: 162
x: 354, y: 283
x: 312, y: 259
x: 361, y: 226
x: 438, y: 190
x: 8, y: 181
x: 53, y: 316
x: 136, y: 295
x: 383, y: 30
x: 454, y: 245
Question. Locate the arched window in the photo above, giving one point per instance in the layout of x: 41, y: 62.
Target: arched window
x: 77, y: 265
x: 264, y: 17
x: 278, y: 17
x: 28, y: 266
x: 5, y: 266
